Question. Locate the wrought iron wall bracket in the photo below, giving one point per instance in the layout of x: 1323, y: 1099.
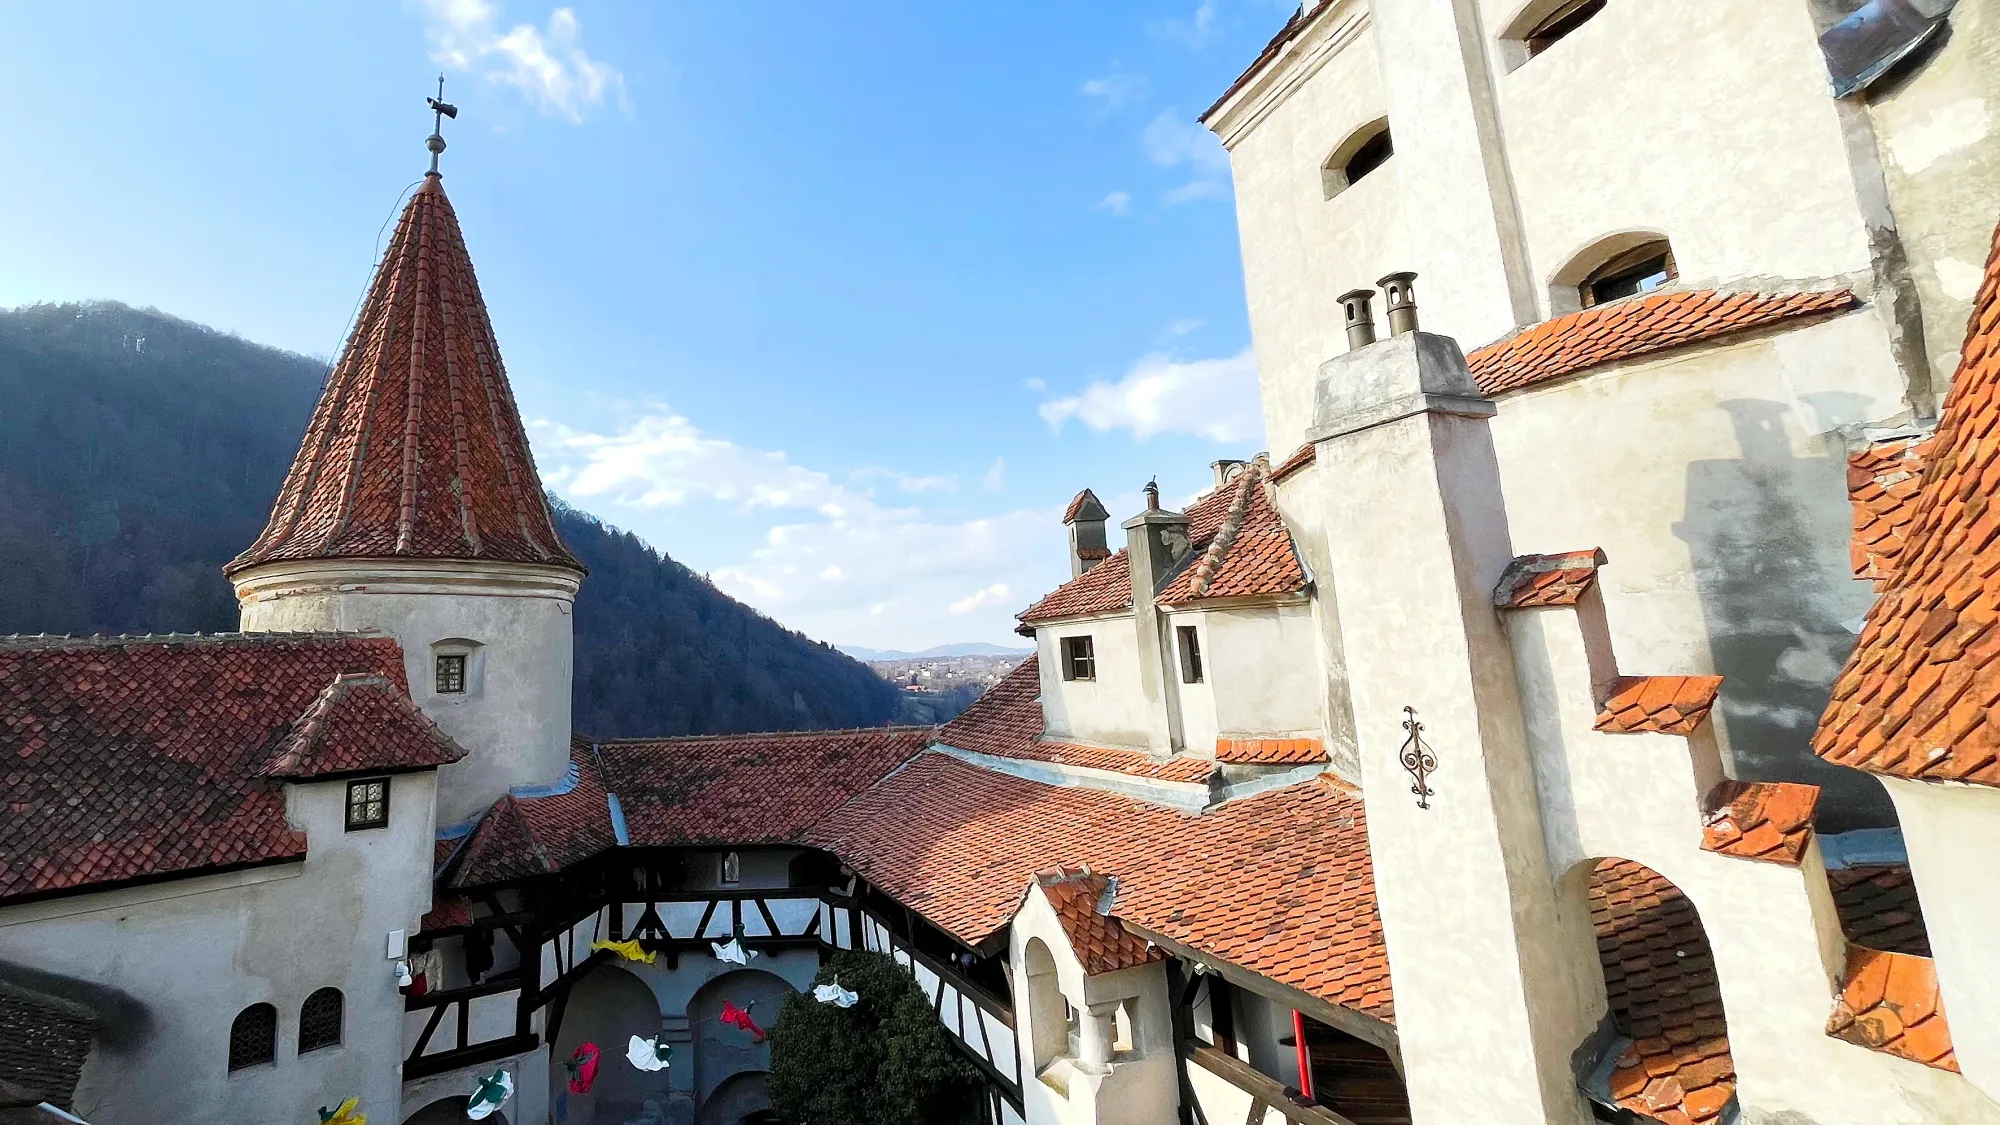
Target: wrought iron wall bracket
x: 1417, y: 758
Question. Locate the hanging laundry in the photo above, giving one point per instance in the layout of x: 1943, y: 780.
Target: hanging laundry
x: 347, y: 1113
x: 426, y: 971
x: 732, y: 951
x: 835, y: 995
x: 493, y: 1089
x: 629, y: 950
x: 736, y: 1017
x: 649, y: 1054
x: 582, y: 1067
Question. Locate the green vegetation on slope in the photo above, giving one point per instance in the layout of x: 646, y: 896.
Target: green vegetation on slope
x: 139, y: 452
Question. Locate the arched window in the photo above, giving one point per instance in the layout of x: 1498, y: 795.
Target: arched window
x: 319, y: 1020
x: 253, y: 1038
x: 1364, y: 150
x: 732, y: 869
x: 1052, y: 1022
x: 1541, y: 24
x: 1623, y: 265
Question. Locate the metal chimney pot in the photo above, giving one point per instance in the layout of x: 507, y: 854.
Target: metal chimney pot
x: 1153, y: 495
x: 1400, y: 290
x: 1355, y: 311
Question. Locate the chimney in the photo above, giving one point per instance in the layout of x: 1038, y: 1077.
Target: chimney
x: 1400, y: 289
x: 1359, y: 317
x: 1156, y: 543
x: 1224, y: 470
x: 1085, y: 521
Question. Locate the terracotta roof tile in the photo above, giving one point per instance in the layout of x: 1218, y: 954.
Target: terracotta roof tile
x: 1269, y: 751
x: 1638, y: 326
x: 448, y: 912
x: 1889, y: 1002
x: 1765, y: 820
x: 361, y: 723
x: 1085, y: 506
x: 1100, y: 941
x: 1302, y: 457
x: 1916, y: 698
x: 1241, y: 549
x: 416, y: 449
x: 1104, y: 588
x: 1532, y: 581
x: 1882, y: 486
x: 1658, y: 704
x: 138, y: 757
x: 1659, y: 977
x: 44, y: 1042
x: 1878, y: 908
x: 1279, y: 883
x: 747, y: 788
x: 1006, y: 722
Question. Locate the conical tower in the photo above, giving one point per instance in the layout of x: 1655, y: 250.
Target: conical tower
x: 414, y: 508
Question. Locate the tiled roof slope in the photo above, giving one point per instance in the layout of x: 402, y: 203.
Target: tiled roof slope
x: 1658, y: 704
x: 1269, y: 751
x: 1889, y: 1002
x: 1301, y: 458
x: 1270, y: 51
x: 1085, y: 506
x: 1099, y: 941
x: 361, y: 723
x: 1769, y: 821
x: 524, y: 836
x: 1878, y: 909
x: 1882, y: 486
x: 416, y: 449
x: 747, y: 788
x: 1535, y: 581
x: 44, y: 1042
x: 1006, y: 722
x: 133, y: 758
x: 1638, y: 326
x: 1659, y: 977
x: 1279, y: 883
x: 1916, y: 697
x: 1104, y: 588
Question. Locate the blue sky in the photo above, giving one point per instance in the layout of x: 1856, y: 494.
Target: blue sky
x: 838, y: 304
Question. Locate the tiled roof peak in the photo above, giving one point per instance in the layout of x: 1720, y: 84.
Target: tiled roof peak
x: 416, y: 449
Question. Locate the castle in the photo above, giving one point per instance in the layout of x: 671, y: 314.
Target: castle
x: 1593, y: 725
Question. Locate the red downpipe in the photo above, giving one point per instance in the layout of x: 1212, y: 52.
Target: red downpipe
x: 1305, y: 1056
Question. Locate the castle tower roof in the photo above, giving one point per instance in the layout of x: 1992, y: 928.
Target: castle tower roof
x: 416, y: 449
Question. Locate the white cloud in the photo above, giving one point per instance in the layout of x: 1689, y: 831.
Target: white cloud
x: 1036, y: 383
x: 991, y: 595
x: 906, y: 481
x: 1211, y: 398
x: 1197, y: 189
x: 1184, y: 325
x: 1172, y: 141
x: 829, y: 559
x: 1116, y: 89
x: 996, y: 477
x: 548, y: 64
x: 1118, y: 203
x: 1192, y: 30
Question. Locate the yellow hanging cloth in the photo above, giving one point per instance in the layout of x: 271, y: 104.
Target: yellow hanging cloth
x: 630, y: 950
x: 349, y: 1113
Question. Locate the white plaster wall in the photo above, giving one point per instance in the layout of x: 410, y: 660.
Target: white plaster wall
x: 196, y: 952
x: 1197, y: 701
x: 514, y: 723
x: 1775, y: 936
x: 1724, y: 515
x: 1707, y: 120
x: 1953, y: 834
x: 1111, y: 710
x: 1301, y: 500
x: 1262, y: 668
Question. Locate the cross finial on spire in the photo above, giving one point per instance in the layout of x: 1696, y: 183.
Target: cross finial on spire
x: 443, y: 110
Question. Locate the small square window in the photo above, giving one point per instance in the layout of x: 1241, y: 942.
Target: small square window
x: 451, y: 674
x: 732, y: 869
x: 368, y: 804
x: 1079, y: 659
x: 1190, y: 639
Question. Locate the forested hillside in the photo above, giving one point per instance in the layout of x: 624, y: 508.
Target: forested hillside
x: 138, y: 453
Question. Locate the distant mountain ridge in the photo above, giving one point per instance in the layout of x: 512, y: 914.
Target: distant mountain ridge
x: 139, y: 452
x: 963, y: 648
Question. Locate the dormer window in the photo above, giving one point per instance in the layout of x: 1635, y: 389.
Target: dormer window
x: 1079, y: 659
x: 1641, y: 269
x: 1364, y: 150
x: 368, y: 804
x: 451, y: 673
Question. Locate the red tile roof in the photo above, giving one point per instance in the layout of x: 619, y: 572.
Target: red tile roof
x: 1247, y: 551
x: 747, y: 788
x: 361, y: 723
x: 1104, y: 588
x: 1279, y: 883
x: 1302, y: 457
x: 1658, y: 704
x: 1639, y: 326
x: 1763, y: 820
x: 1659, y: 977
x: 1085, y: 506
x: 1099, y: 941
x: 1269, y: 751
x: 44, y: 1042
x: 416, y: 449
x: 1890, y: 1003
x: 1270, y: 51
x: 1916, y: 697
x: 1882, y: 486
x: 1878, y: 909
x: 539, y: 835
x: 1532, y: 581
x: 138, y: 757
x: 1006, y: 722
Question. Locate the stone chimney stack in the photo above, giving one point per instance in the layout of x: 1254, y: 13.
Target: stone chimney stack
x: 1225, y: 469
x: 1156, y: 542
x: 1085, y: 520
